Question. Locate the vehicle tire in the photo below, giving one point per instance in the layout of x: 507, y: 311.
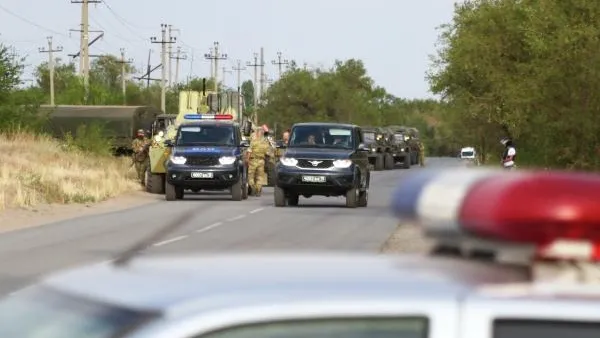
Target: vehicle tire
x: 388, y: 162
x: 352, y: 198
x: 363, y: 198
x: 155, y: 183
x: 237, y: 193
x: 293, y: 200
x: 379, y: 162
x: 172, y: 192
x: 279, y: 197
x: 407, y: 161
x: 245, y: 191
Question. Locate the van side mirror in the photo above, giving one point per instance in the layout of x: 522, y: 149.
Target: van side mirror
x: 363, y: 147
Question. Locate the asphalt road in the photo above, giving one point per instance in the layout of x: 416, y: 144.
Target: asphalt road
x: 219, y: 225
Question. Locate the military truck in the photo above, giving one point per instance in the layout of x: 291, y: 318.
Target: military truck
x: 401, y: 150
x: 413, y: 142
x: 190, y: 102
x: 118, y: 123
x: 380, y: 154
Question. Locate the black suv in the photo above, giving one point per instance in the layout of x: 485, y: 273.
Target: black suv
x: 324, y: 159
x: 207, y: 155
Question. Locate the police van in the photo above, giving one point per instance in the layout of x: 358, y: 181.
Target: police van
x: 515, y: 256
x: 467, y: 153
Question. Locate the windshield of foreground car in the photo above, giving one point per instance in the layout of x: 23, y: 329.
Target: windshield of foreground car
x: 40, y: 312
x: 214, y: 135
x: 321, y: 137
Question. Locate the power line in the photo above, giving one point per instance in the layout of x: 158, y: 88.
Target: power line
x: 239, y: 69
x: 255, y: 65
x: 280, y: 63
x: 123, y: 79
x: 214, y: 56
x: 163, y: 55
x: 31, y: 22
x: 51, y: 52
x: 177, y: 57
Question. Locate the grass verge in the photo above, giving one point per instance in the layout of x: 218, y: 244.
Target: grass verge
x: 36, y: 169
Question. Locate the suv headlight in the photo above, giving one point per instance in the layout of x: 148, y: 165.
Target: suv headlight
x: 288, y: 161
x: 178, y: 159
x: 402, y: 149
x: 342, y: 163
x: 227, y: 160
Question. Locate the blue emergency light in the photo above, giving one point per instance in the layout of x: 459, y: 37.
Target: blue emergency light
x: 208, y: 117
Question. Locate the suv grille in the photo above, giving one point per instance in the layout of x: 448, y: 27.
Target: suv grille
x: 203, y: 160
x: 323, y: 165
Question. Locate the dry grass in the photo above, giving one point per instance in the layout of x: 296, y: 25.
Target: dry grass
x: 39, y: 170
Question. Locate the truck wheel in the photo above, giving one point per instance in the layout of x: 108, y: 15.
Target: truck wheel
x: 155, y: 183
x: 352, y: 198
x: 237, y: 193
x: 279, y: 196
x: 407, y: 160
x: 293, y: 200
x: 172, y: 192
x: 379, y: 162
x: 363, y: 198
x: 388, y: 162
x: 245, y: 191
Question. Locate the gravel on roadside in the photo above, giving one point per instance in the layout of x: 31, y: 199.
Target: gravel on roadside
x: 407, y: 238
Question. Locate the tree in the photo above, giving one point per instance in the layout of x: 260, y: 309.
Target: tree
x: 248, y: 94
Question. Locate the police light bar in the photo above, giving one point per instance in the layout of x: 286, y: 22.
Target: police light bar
x: 555, y: 214
x: 208, y: 117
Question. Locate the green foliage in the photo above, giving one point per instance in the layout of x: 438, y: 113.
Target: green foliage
x: 91, y: 139
x: 526, y: 69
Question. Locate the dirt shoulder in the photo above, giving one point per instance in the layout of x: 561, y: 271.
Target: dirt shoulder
x: 407, y: 238
x: 15, y: 219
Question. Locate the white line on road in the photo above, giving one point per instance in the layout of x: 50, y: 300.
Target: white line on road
x: 174, y: 239
x: 210, y: 227
x: 236, y: 218
x: 257, y: 210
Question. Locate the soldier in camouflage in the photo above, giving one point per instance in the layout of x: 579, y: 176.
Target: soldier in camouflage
x: 256, y: 155
x: 421, y: 154
x: 140, y: 154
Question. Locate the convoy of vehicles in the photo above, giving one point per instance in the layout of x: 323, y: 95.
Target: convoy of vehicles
x: 207, y: 153
x: 406, y: 145
x: 380, y: 148
x: 513, y: 256
x: 323, y: 159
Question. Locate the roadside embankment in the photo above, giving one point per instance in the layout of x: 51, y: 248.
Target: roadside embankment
x: 37, y: 170
x: 407, y: 238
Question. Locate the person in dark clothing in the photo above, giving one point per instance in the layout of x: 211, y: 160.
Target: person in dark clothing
x: 510, y: 154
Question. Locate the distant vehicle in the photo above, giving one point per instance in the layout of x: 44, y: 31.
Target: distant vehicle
x: 118, y: 123
x: 508, y: 265
x: 402, y: 150
x: 379, y: 143
x: 468, y: 153
x: 207, y: 154
x: 323, y: 159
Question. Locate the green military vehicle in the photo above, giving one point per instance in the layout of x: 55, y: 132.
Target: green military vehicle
x: 413, y: 142
x: 118, y: 123
x: 380, y: 154
x: 190, y: 102
x: 401, y: 150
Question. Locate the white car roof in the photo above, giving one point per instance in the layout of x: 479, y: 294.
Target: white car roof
x: 467, y: 149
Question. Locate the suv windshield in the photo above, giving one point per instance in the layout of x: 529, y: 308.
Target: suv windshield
x: 369, y: 137
x: 44, y: 313
x: 321, y: 137
x: 216, y: 135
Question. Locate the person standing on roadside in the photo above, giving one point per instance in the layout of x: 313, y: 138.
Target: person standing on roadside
x: 140, y: 154
x: 256, y: 156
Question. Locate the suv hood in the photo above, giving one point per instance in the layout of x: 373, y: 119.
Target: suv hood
x: 205, y: 150
x: 318, y: 153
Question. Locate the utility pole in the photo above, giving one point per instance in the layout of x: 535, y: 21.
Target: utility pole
x: 179, y: 56
x: 262, y: 72
x: 239, y: 69
x: 163, y: 55
x: 170, y: 53
x: 84, y: 51
x: 50, y: 52
x: 225, y: 72
x: 255, y: 65
x: 123, y: 78
x: 280, y: 63
x: 215, y: 56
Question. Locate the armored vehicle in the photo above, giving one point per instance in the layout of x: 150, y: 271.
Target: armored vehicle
x: 401, y: 150
x: 413, y: 142
x: 380, y: 148
x: 191, y: 102
x: 118, y: 123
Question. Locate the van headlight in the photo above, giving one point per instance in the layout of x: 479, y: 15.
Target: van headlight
x: 342, y: 163
x: 178, y: 159
x: 227, y: 160
x: 288, y: 161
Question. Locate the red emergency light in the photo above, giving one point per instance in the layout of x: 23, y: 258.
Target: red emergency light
x: 208, y: 117
x: 501, y: 209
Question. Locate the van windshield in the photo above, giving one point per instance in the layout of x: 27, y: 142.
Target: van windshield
x: 45, y: 313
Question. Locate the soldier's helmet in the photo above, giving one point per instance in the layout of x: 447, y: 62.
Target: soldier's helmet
x: 141, y: 132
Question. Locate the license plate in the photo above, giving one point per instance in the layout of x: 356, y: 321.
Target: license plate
x: 202, y: 175
x: 313, y: 179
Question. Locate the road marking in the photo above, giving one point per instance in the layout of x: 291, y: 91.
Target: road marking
x: 174, y: 239
x: 210, y: 227
x: 257, y: 210
x: 236, y: 218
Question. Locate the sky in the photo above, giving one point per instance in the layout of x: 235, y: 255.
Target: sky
x: 394, y: 38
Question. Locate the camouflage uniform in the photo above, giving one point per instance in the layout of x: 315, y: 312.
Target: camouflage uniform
x: 258, y: 150
x: 140, y: 154
x: 421, y: 154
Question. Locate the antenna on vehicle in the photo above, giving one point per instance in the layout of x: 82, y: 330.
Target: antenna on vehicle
x: 127, y: 255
